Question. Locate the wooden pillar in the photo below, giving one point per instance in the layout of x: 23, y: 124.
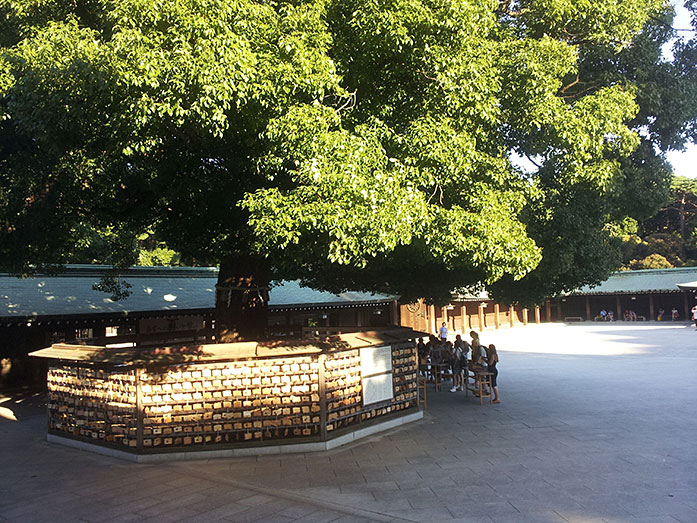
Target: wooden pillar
x: 497, y: 320
x: 432, y: 319
x: 465, y: 318
x: 619, y: 308
x: 652, y: 312
x: 99, y: 331
x: 588, y: 309
x: 548, y: 310
x: 321, y: 362
x: 511, y: 313
x: 140, y: 410
x: 480, y: 311
x: 394, y: 313
x: 525, y: 316
x: 537, y: 314
x: 688, y: 315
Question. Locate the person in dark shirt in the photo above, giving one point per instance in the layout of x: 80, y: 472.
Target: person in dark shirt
x: 492, y: 361
x: 459, y: 363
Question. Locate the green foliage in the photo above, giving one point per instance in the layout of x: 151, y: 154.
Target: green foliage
x: 652, y: 261
x: 354, y: 144
x: 670, y: 233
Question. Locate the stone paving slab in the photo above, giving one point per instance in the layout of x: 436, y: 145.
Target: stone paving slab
x: 597, y: 423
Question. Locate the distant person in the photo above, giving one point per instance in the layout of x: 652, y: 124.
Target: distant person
x: 610, y: 316
x: 694, y: 315
x: 603, y: 315
x: 674, y: 314
x: 661, y: 312
x: 491, y: 367
x: 443, y: 332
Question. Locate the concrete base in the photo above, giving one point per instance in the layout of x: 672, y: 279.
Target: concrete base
x: 193, y: 454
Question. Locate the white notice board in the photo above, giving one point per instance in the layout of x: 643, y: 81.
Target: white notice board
x: 376, y: 374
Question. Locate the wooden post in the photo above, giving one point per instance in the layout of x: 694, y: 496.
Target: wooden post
x: 323, y: 397
x: 140, y: 413
x: 537, y: 314
x: 511, y: 312
x: 652, y: 313
x: 548, y: 310
x: 525, y: 316
x: 688, y: 315
x: 619, y: 307
x: 589, y: 317
x: 480, y: 312
x: 497, y: 320
x: 395, y: 316
x: 465, y: 318
x: 432, y: 319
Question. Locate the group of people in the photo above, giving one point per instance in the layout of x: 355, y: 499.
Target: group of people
x: 674, y: 315
x: 460, y: 357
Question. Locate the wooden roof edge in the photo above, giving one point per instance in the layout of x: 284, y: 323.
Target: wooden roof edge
x: 225, y: 351
x: 623, y: 292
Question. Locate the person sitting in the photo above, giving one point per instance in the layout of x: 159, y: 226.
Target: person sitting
x: 674, y: 314
x: 603, y: 315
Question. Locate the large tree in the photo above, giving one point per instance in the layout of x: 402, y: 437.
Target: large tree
x: 350, y: 144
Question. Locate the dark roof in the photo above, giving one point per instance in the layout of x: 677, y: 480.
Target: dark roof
x: 643, y: 281
x: 70, y: 293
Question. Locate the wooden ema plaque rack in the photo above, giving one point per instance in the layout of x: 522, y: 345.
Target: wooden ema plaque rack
x: 224, y: 395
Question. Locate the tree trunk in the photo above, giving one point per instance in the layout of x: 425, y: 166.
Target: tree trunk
x: 682, y: 216
x: 242, y: 299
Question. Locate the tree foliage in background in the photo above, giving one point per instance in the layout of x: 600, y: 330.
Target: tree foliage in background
x: 669, y: 237
x: 350, y: 144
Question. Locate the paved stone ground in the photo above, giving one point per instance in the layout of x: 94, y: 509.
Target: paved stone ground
x: 598, y: 423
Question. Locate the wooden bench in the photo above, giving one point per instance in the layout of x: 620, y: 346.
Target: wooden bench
x: 573, y: 318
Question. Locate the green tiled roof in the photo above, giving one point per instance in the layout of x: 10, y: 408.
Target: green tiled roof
x: 648, y: 280
x: 152, y: 289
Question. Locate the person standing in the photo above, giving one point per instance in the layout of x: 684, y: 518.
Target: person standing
x: 459, y: 363
x: 694, y: 315
x: 443, y: 332
x: 493, y: 359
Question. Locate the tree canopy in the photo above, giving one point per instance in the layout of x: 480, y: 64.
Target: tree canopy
x: 351, y: 144
x: 669, y: 237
